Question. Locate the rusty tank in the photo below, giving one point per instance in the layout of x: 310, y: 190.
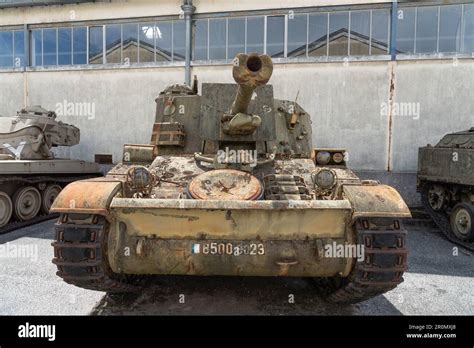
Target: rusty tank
x: 230, y: 184
x: 30, y: 176
x: 446, y: 183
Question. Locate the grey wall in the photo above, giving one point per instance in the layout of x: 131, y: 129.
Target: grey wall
x: 343, y: 99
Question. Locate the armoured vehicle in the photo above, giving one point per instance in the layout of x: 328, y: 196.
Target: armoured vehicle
x: 231, y: 185
x: 446, y: 183
x: 30, y: 176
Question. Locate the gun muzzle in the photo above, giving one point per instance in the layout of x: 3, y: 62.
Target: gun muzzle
x: 250, y: 71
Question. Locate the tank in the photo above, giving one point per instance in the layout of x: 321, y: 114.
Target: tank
x: 30, y: 176
x: 446, y: 183
x: 230, y: 185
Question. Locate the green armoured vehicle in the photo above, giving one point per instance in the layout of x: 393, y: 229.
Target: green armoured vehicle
x: 231, y: 185
x: 30, y: 176
x: 446, y: 183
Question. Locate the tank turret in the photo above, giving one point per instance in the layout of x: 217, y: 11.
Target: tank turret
x: 32, y: 133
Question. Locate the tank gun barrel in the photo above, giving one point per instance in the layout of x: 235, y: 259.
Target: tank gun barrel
x: 250, y: 71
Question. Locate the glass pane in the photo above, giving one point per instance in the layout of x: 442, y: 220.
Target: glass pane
x: 36, y: 47
x: 19, y: 49
x: 6, y: 48
x: 426, y: 29
x: 113, y: 43
x: 406, y: 30
x: 317, y: 35
x: 338, y: 33
x: 130, y: 43
x: 255, y: 34
x: 297, y: 28
x: 164, y: 41
x: 179, y: 40
x: 380, y: 32
x: 449, y: 28
x: 468, y: 28
x: 64, y: 46
x: 95, y: 45
x: 49, y: 47
x: 217, y: 38
x: 146, y: 38
x: 200, y: 39
x: 360, y: 28
x: 236, y: 37
x: 276, y: 36
x: 79, y: 45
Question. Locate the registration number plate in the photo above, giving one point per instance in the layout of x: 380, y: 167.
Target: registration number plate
x: 235, y: 249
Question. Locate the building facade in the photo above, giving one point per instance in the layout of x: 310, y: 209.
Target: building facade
x: 379, y: 78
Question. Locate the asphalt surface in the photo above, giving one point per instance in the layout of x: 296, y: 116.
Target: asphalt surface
x: 439, y: 281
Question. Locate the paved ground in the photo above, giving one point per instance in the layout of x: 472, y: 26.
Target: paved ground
x: 437, y: 282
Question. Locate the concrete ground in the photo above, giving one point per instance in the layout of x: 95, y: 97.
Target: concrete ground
x: 439, y: 281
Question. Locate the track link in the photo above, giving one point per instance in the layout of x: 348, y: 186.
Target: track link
x: 381, y: 270
x: 80, y: 253
x: 442, y: 221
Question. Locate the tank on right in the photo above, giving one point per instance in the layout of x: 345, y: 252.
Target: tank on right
x: 446, y: 182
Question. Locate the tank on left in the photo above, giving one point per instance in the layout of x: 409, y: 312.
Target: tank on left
x: 30, y: 175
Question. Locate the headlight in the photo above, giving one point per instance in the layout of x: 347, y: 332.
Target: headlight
x: 139, y: 178
x: 338, y: 157
x: 323, y: 157
x: 324, y: 178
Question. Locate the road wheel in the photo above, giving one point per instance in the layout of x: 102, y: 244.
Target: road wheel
x: 462, y: 221
x: 6, y: 209
x: 49, y: 194
x: 437, y: 197
x: 26, y: 203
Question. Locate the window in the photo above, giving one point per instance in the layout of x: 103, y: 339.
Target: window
x: 426, y: 30
x: 113, y: 43
x: 130, y: 43
x: 275, y: 36
x: 360, y: 33
x: 64, y: 46
x: 179, y: 40
x: 468, y: 28
x: 380, y: 32
x: 96, y: 45
x: 79, y: 45
x: 50, y: 47
x: 200, y: 39
x: 297, y: 35
x: 338, y: 33
x: 164, y: 41
x: 235, y: 36
x: 449, y: 28
x: 36, y: 47
x: 318, y: 34
x: 19, y: 48
x: 255, y: 35
x: 406, y: 30
x: 146, y: 42
x: 217, y: 38
x: 6, y: 48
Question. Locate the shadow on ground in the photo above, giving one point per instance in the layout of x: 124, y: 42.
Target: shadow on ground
x: 231, y: 296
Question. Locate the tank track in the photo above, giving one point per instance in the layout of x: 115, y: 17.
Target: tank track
x: 80, y: 253
x: 14, y: 225
x: 442, y: 221
x: 382, y: 269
